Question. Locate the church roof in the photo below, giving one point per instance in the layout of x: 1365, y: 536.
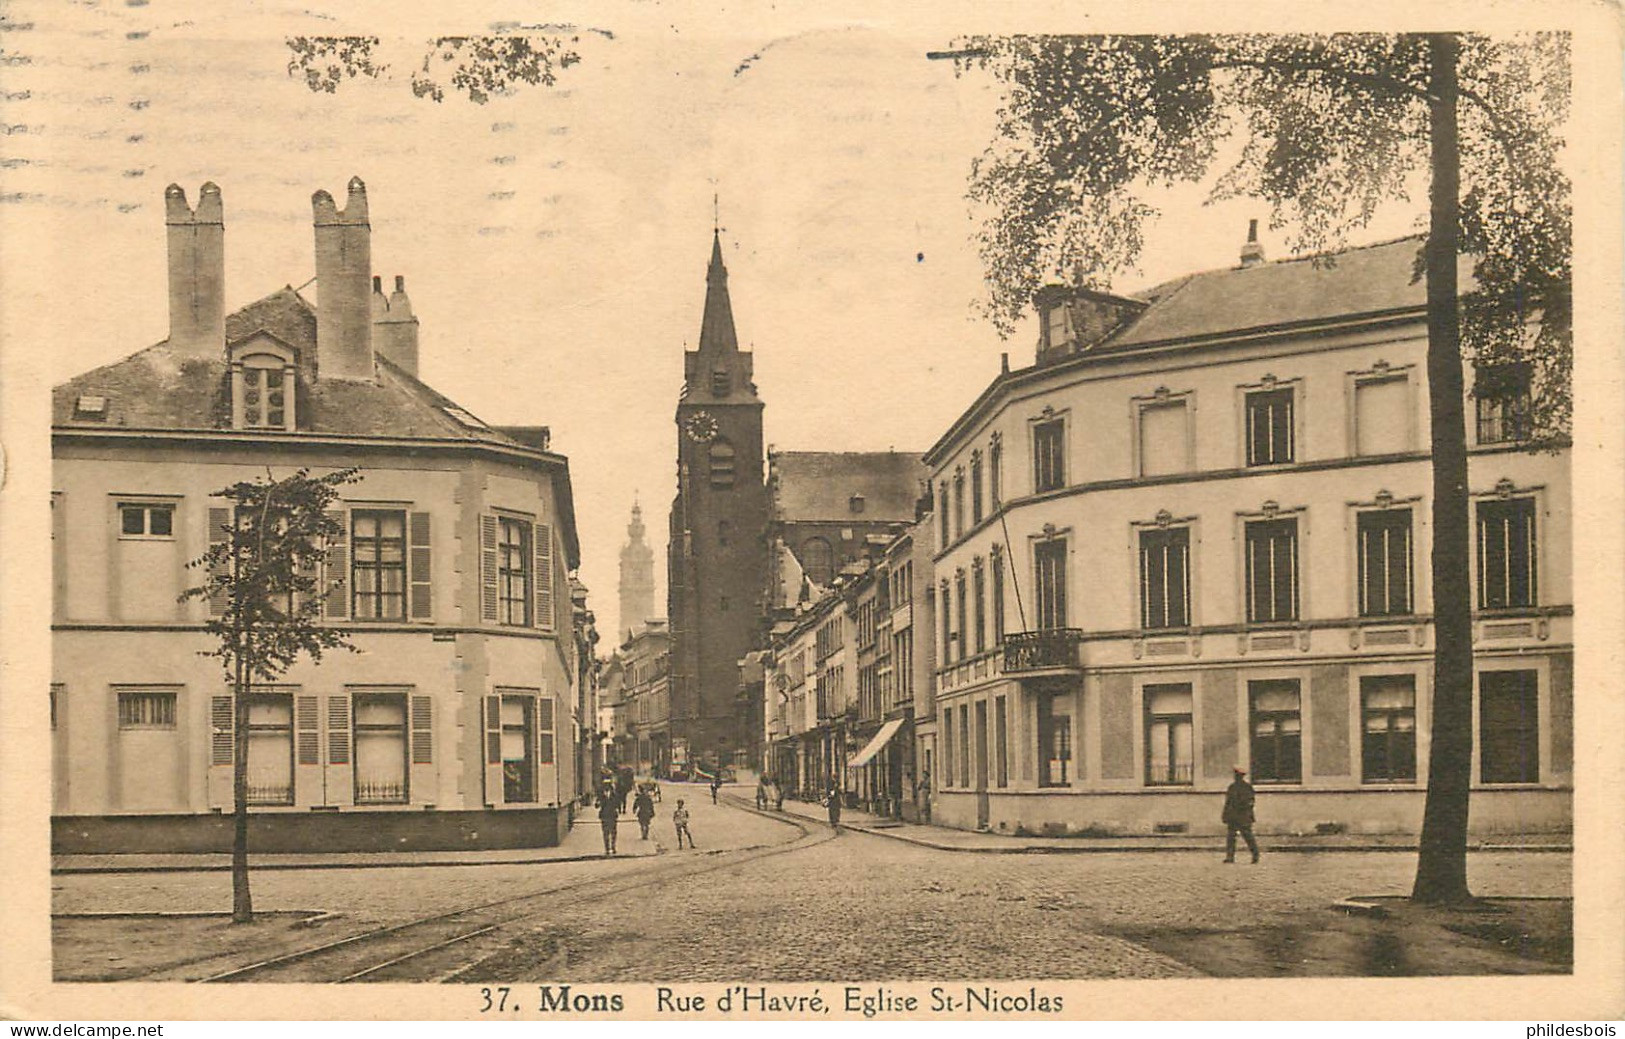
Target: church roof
x: 717, y: 326
x: 811, y: 486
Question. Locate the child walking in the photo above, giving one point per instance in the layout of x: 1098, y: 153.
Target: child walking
x: 679, y: 819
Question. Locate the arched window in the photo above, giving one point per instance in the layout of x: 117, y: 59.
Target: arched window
x: 818, y: 561
x: 722, y: 464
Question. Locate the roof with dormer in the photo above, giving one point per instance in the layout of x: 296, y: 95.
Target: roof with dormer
x: 159, y: 390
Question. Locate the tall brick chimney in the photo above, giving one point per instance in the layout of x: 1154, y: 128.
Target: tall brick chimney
x: 394, y: 328
x: 197, y: 272
x: 343, y: 267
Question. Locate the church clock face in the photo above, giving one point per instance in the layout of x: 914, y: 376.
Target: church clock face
x: 700, y: 427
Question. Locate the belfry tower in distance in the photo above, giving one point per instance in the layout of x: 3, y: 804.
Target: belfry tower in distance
x: 637, y: 588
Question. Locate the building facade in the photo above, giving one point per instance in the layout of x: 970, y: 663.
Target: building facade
x: 1195, y: 535
x: 456, y: 722
x: 645, y: 700
x: 717, y: 550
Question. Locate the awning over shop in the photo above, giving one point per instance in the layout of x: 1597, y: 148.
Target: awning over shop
x: 887, y: 731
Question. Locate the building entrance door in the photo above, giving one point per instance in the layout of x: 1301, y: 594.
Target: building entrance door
x: 983, y: 813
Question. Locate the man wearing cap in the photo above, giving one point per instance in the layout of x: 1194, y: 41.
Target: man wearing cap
x: 1238, y: 815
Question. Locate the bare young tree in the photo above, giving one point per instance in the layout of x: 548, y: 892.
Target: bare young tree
x: 266, y: 592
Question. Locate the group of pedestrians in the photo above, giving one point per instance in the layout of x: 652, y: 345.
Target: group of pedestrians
x: 613, y: 803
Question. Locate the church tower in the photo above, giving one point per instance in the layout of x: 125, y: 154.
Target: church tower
x: 717, y: 554
x: 637, y: 576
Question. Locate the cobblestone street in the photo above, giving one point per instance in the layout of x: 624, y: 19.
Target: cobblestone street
x: 859, y: 906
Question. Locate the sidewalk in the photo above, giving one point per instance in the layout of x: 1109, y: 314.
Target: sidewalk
x: 944, y: 839
x: 583, y: 842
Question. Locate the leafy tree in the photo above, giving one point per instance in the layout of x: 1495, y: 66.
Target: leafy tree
x: 265, y: 586
x: 478, y: 67
x: 1325, y: 129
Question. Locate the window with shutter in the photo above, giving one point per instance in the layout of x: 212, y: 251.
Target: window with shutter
x: 493, y: 750
x: 488, y: 568
x: 221, y: 719
x: 338, y: 730
x: 338, y: 568
x: 1382, y: 421
x: 422, y: 605
x: 306, y: 720
x: 544, y: 576
x: 422, y: 730
x: 1509, y: 726
x: 1164, y: 439
x: 219, y: 533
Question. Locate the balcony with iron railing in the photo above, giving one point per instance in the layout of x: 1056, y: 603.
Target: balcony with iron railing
x: 1055, y: 649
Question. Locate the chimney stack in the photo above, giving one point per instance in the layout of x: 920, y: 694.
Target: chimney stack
x: 197, y: 272
x: 343, y: 265
x: 1252, y: 254
x: 394, y: 328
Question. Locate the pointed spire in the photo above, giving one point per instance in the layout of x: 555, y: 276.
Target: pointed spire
x: 717, y: 327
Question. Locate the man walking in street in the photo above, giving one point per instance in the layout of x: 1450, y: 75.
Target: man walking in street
x: 1238, y: 815
x: 679, y: 819
x: 609, y: 817
x: 833, y: 801
x: 644, y: 808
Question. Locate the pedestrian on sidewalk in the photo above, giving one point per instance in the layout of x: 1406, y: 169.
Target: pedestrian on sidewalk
x: 679, y: 819
x: 1238, y: 815
x: 644, y: 808
x: 832, y: 801
x: 761, y: 793
x: 609, y: 817
x: 923, y: 789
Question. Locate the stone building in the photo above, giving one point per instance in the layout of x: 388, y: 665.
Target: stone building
x: 717, y: 552
x: 637, y: 587
x: 1195, y: 534
x: 456, y: 723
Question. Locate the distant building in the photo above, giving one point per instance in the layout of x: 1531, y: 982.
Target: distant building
x: 644, y: 737
x: 830, y: 509
x: 457, y: 723
x: 637, y: 588
x: 1195, y: 535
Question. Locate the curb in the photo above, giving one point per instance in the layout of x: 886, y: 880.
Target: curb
x: 66, y: 871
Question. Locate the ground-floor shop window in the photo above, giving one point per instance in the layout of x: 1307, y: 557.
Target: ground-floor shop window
x: 1509, y: 726
x: 1168, y: 754
x: 1054, y: 741
x: 380, y: 748
x: 1388, y: 728
x: 270, y: 748
x: 1277, y: 731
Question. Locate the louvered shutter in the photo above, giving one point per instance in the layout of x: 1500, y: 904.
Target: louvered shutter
x: 488, y: 568
x: 219, y: 600
x: 493, y: 750
x: 307, y: 749
x: 547, y: 773
x: 222, y: 721
x: 544, y: 576
x: 422, y: 602
x: 423, y: 774
x: 340, y: 769
x: 338, y: 570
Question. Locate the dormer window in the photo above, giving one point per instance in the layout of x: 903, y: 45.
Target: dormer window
x: 264, y: 378
x: 1056, y: 326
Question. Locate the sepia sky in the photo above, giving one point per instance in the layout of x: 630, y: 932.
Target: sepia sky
x: 553, y: 241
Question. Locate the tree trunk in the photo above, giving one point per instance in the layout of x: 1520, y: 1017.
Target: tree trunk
x: 242, y: 903
x: 1441, y: 868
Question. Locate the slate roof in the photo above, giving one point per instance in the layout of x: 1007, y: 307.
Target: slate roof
x: 156, y: 389
x: 1363, y: 280
x: 810, y: 486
